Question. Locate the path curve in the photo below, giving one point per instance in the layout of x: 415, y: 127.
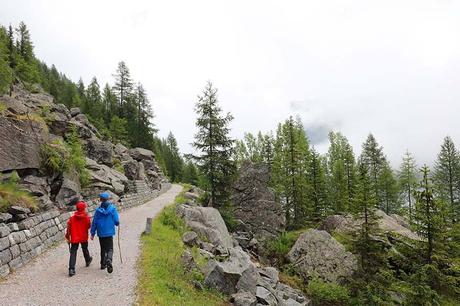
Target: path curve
x: 45, y: 282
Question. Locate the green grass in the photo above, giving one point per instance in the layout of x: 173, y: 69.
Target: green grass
x: 278, y: 248
x: 12, y: 194
x: 162, y: 279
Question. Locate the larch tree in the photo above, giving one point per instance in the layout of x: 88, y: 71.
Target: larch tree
x: 317, y: 186
x: 372, y: 155
x: 215, y: 147
x: 389, y: 190
x: 407, y: 176
x: 446, y: 177
x: 174, y: 162
x: 123, y: 86
x: 429, y: 216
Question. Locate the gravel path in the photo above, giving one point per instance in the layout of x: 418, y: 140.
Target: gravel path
x: 45, y: 281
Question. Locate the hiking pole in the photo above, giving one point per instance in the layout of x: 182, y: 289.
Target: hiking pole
x: 119, y: 247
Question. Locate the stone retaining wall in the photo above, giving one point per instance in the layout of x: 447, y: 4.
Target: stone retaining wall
x: 21, y: 242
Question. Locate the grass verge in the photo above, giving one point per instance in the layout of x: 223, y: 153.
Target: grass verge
x: 162, y: 279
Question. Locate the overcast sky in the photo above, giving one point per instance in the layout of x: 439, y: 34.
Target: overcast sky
x: 387, y: 67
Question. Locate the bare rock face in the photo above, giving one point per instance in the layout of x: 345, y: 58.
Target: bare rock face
x: 208, y: 222
x: 20, y: 144
x: 318, y: 253
x: 141, y: 154
x: 100, y: 151
x: 255, y: 204
x: 386, y: 223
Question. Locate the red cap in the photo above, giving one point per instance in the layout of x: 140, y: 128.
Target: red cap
x: 81, y: 206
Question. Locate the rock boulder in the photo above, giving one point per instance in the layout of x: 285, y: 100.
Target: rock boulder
x: 255, y: 204
x: 318, y: 253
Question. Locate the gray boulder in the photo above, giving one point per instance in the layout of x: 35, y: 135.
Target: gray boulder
x: 70, y: 190
x: 224, y: 276
x: 106, y: 178
x: 318, y: 253
x: 5, y: 217
x: 141, y: 154
x: 20, y: 144
x: 75, y: 111
x: 255, y: 204
x: 244, y: 299
x: 265, y: 296
x: 208, y: 222
x: 189, y: 238
x: 187, y: 261
x: 100, y: 151
x: 386, y: 223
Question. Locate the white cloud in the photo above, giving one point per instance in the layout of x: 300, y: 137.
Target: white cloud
x: 389, y: 67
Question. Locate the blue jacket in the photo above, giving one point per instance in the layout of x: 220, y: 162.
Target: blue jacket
x: 104, y: 220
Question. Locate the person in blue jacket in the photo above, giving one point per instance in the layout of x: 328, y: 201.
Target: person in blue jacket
x: 104, y: 221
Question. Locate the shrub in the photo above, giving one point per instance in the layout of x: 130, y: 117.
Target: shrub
x: 12, y: 194
x: 118, y: 166
x: 169, y: 218
x: 54, y: 157
x: 229, y: 217
x: 65, y: 157
x: 279, y: 247
x: 327, y: 294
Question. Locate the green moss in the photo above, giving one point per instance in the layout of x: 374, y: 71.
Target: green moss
x: 162, y: 279
x: 118, y: 166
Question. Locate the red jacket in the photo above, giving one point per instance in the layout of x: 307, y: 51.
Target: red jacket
x: 78, y: 225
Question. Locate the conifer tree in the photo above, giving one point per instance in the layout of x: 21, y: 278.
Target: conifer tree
x: 372, y: 155
x: 407, y: 176
x: 174, y: 162
x: 123, y: 86
x: 369, y: 250
x: 289, y: 171
x: 317, y: 184
x: 109, y: 100
x: 341, y: 172
x: 446, y: 177
x: 6, y: 77
x: 93, y: 102
x: 215, y: 146
x: 429, y: 216
x: 389, y: 190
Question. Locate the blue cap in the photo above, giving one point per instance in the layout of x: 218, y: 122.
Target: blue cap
x: 104, y: 196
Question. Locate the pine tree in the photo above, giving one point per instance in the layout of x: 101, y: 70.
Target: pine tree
x: 372, y: 155
x: 6, y: 73
x: 93, y: 102
x: 408, y: 180
x: 190, y: 174
x: 289, y: 171
x: 24, y: 43
x: 123, y: 87
x: 429, y: 215
x: 446, y: 177
x: 118, y: 128
x: 317, y: 184
x: 109, y: 100
x: 369, y: 249
x: 341, y: 172
x: 216, y: 147
x: 389, y: 190
x: 174, y: 162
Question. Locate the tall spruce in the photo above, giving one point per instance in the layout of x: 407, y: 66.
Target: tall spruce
x: 289, y: 171
x: 389, y: 190
x: 215, y: 147
x: 429, y: 216
x: 446, y: 177
x: 407, y: 176
x: 174, y: 162
x: 6, y: 73
x: 341, y: 172
x: 317, y: 186
x: 372, y: 155
x: 364, y: 206
x: 123, y: 87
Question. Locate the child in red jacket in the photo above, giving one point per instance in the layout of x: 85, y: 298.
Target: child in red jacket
x: 77, y: 233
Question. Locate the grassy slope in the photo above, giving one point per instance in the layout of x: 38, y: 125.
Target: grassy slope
x: 162, y: 279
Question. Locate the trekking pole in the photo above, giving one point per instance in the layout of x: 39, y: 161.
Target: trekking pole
x: 119, y: 247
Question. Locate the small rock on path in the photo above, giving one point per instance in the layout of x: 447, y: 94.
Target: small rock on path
x: 45, y: 281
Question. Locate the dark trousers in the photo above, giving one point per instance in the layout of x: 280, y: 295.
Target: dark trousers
x: 73, y: 253
x: 106, y: 244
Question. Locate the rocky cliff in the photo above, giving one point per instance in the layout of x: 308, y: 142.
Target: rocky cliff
x: 32, y: 122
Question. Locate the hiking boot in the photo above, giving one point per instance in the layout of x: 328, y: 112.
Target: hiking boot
x: 109, y: 266
x: 71, y: 272
x: 103, y: 267
x: 89, y: 261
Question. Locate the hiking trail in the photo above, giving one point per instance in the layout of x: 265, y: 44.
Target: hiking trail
x: 45, y: 280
